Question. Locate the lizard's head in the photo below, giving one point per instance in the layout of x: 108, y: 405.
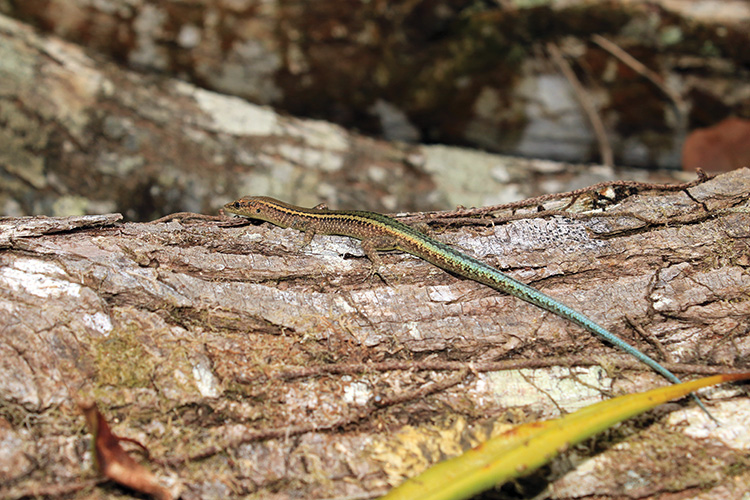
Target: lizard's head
x: 259, y: 207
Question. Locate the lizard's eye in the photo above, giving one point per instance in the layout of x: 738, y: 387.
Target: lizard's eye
x: 236, y: 204
x: 257, y: 210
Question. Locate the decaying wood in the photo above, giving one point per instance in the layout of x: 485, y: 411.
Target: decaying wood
x: 249, y: 366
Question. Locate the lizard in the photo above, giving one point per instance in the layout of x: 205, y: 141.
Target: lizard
x: 379, y: 232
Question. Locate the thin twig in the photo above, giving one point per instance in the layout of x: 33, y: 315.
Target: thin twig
x: 183, y: 216
x: 50, y: 490
x: 621, y: 362
x: 605, y: 149
x: 540, y: 200
x: 346, y: 420
x: 639, y: 68
x: 650, y: 337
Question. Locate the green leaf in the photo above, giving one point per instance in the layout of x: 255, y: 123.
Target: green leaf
x: 525, y: 448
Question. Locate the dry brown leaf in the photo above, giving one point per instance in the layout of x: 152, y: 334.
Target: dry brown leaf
x: 114, y: 462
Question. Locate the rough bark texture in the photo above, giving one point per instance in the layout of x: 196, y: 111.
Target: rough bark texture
x: 451, y: 71
x: 253, y: 369
x: 292, y: 374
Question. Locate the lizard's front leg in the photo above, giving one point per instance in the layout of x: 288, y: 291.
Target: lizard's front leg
x: 371, y: 246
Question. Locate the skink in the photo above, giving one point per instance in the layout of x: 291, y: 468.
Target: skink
x: 379, y: 232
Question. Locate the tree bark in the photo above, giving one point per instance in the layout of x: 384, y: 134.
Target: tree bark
x: 288, y: 373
